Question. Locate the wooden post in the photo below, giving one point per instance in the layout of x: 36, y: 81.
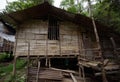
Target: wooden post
x: 78, y: 34
x: 82, y: 73
x: 15, y: 57
x: 28, y: 60
x: 115, y: 51
x: 46, y: 62
x: 115, y: 48
x: 98, y: 42
x: 37, y: 77
x: 73, y: 78
x: 60, y: 44
x: 49, y: 63
x: 47, y: 48
x: 14, y: 66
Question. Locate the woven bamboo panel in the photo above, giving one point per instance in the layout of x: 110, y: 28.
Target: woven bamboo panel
x: 35, y: 34
x: 53, y: 47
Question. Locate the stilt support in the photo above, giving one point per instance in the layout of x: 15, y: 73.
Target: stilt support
x: 14, y: 66
x: 82, y: 73
x: 37, y: 77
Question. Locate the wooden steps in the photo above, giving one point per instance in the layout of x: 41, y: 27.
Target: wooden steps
x: 54, y: 75
x: 44, y: 74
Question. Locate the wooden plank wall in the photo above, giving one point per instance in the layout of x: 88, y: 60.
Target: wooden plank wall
x: 35, y: 32
x: 1, y: 41
x: 69, y: 39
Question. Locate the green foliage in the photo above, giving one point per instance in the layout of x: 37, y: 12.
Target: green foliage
x: 22, y: 4
x: 70, y: 6
x: 107, y: 12
x: 5, y: 57
x: 20, y: 76
x: 6, y: 71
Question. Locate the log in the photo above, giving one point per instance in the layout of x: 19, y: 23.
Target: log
x: 73, y: 78
x: 68, y: 71
x: 110, y: 72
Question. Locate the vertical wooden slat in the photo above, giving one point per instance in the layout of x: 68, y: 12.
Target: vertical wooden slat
x: 28, y: 61
x: 37, y: 77
x: 78, y: 34
x: 59, y: 38
x: 47, y: 44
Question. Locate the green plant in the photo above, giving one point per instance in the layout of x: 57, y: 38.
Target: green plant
x: 5, y: 57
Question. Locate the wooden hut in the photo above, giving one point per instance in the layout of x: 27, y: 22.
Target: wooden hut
x: 6, y: 45
x: 62, y: 39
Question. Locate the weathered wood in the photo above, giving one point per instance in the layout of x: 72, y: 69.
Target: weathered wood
x: 45, y: 73
x: 104, y: 78
x: 14, y: 66
x: 68, y: 71
x: 28, y: 61
x: 15, y: 56
x: 40, y: 45
x: 38, y: 71
x: 109, y: 72
x: 73, y: 78
x: 116, y: 54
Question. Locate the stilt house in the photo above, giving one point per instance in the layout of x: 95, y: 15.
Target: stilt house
x: 63, y: 40
x: 6, y: 45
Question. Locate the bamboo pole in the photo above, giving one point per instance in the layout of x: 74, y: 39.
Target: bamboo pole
x: 15, y: 57
x: 115, y: 51
x: 73, y: 78
x: 28, y: 60
x: 14, y: 66
x: 98, y: 42
x: 81, y: 50
x: 37, y: 77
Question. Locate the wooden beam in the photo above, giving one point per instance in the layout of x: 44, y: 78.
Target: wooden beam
x: 73, y: 78
x: 109, y: 72
x: 68, y: 71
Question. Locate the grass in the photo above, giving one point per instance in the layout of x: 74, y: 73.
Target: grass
x: 6, y: 70
x: 5, y: 57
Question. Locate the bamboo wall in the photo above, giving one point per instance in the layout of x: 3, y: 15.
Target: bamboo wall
x: 1, y: 42
x: 5, y: 45
x: 35, y: 33
x: 73, y: 40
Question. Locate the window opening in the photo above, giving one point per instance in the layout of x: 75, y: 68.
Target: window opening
x: 53, y: 29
